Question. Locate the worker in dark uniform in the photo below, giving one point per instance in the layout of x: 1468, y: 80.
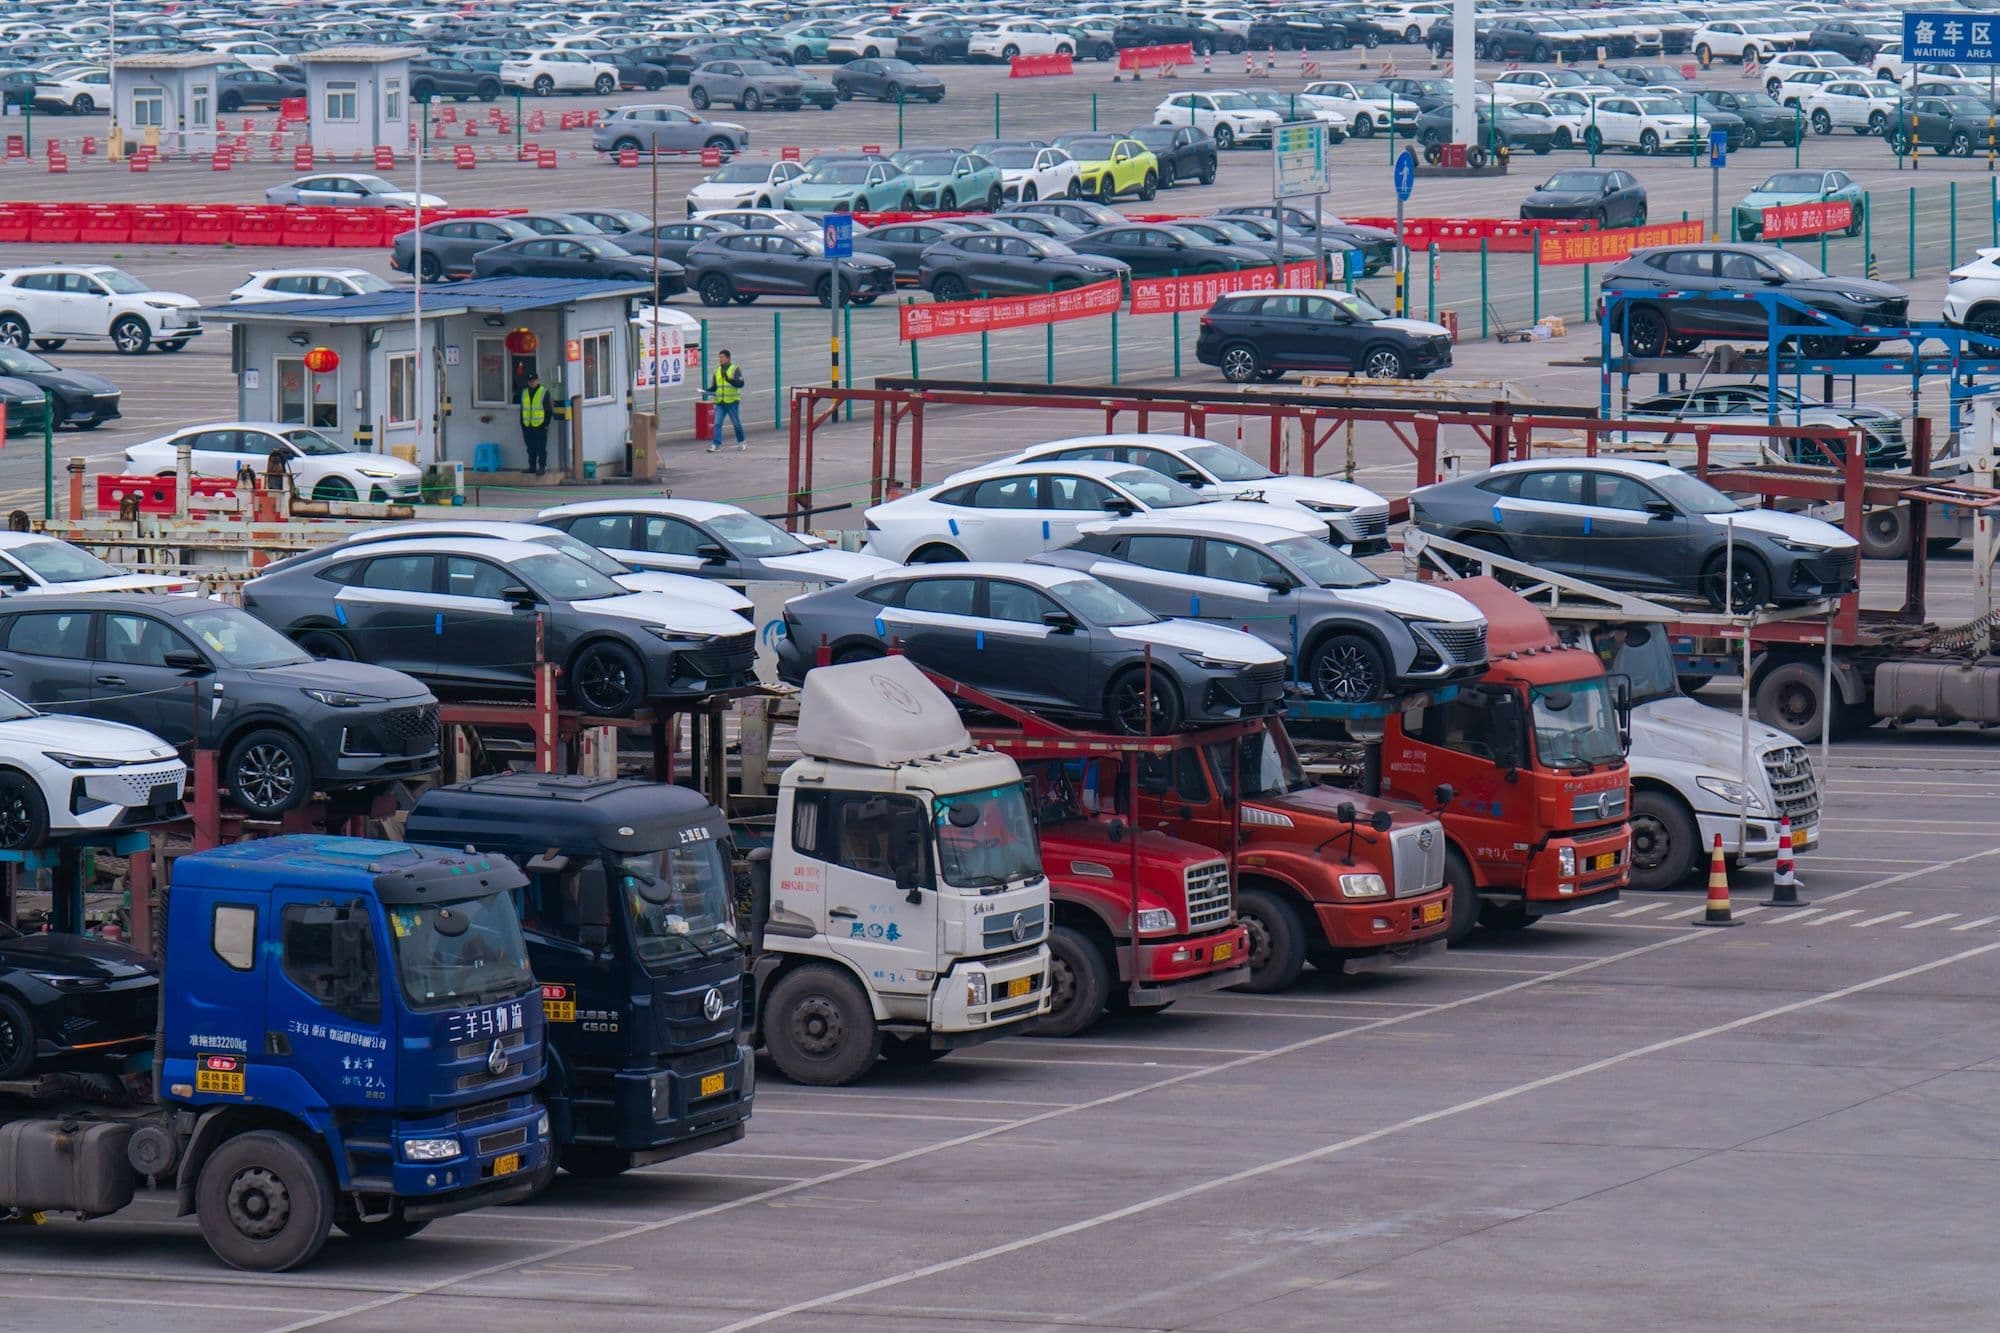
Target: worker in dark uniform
x: 535, y: 422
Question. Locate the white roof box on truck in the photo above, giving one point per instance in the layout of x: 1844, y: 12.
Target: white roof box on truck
x: 876, y: 714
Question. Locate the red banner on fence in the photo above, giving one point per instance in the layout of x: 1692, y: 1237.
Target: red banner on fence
x: 1605, y: 247
x: 1788, y: 220
x: 942, y: 319
x: 1165, y: 296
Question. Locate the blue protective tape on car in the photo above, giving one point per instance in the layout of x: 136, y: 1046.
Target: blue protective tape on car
x: 340, y: 613
x: 1194, y: 606
x: 952, y: 524
x: 437, y: 625
x: 1045, y: 529
x: 1496, y: 513
x: 1586, y: 526
x: 880, y: 631
x: 979, y: 639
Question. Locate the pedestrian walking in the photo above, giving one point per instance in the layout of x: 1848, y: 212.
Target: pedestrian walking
x: 725, y: 387
x: 535, y: 422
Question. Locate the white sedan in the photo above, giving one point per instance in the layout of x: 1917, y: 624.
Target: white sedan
x: 77, y: 91
x: 319, y: 466
x: 1568, y: 112
x: 306, y: 284
x: 1009, y: 511
x: 864, y: 43
x: 68, y: 774
x: 1028, y: 174
x: 32, y: 563
x: 708, y: 540
x: 745, y: 185
x: 346, y: 189
x: 1648, y: 124
x: 1861, y: 105
x: 546, y: 72
x: 1019, y: 37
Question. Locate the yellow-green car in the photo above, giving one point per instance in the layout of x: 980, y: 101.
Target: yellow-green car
x: 1109, y: 165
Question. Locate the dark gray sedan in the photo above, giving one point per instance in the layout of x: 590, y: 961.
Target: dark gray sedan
x: 674, y: 239
x: 462, y: 613
x: 1049, y: 639
x: 202, y: 675
x: 593, y: 256
x: 1352, y: 635
x: 984, y: 264
x: 903, y: 243
x: 745, y: 265
x: 450, y: 246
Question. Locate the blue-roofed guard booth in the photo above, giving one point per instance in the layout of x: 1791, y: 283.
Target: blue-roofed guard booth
x: 463, y: 389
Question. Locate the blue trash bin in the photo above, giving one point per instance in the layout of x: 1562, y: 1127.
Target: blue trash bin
x: 486, y: 456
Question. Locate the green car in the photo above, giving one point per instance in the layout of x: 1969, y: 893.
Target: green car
x: 807, y: 40
x: 853, y: 185
x: 1796, y: 187
x: 949, y: 179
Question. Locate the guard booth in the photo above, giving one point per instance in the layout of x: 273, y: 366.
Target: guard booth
x: 456, y: 401
x: 165, y: 98
x: 358, y: 97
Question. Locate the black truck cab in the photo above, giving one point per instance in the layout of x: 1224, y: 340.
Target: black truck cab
x: 630, y: 927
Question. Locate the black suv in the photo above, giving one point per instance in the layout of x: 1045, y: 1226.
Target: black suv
x: 199, y: 674
x: 65, y: 998
x: 1261, y: 335
x: 448, y: 76
x: 1715, y: 286
x: 1200, y: 35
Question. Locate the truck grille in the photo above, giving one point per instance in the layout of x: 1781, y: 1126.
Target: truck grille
x: 1465, y: 644
x: 1008, y: 930
x: 1208, y: 902
x: 501, y: 1142
x: 1418, y: 857
x: 1790, y: 771
x: 1591, y: 806
x: 723, y: 658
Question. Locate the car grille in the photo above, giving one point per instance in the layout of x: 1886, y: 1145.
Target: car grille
x: 1595, y: 805
x: 1792, y: 781
x: 146, y: 787
x: 1841, y: 566
x: 1369, y: 522
x: 1464, y: 643
x: 997, y: 931
x: 396, y: 732
x: 1418, y: 857
x: 723, y: 658
x: 1208, y: 902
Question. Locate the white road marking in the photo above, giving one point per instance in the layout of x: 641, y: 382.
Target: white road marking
x: 1641, y: 909
x: 1877, y: 920
x: 1930, y: 921
x: 1974, y: 925
x: 1836, y: 916
x: 1796, y: 916
x: 1686, y: 913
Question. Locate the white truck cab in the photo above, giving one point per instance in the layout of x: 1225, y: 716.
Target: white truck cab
x: 903, y: 910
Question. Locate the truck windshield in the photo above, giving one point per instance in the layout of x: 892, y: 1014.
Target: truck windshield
x: 1263, y: 767
x: 459, y: 952
x: 677, y: 899
x: 986, y: 838
x: 1641, y: 653
x: 1575, y: 724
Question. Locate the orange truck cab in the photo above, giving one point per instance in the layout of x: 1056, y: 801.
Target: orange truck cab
x: 1534, y: 752
x: 1345, y: 881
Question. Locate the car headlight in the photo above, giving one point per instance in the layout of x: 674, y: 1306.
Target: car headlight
x: 64, y: 982
x: 680, y: 637
x: 162, y: 305
x: 430, y: 1150
x: 1363, y: 886
x: 1156, y: 921
x: 82, y: 760
x: 341, y: 698
x: 1801, y: 548
x: 1863, y: 298
x: 376, y: 474
x: 1325, y: 507
x: 975, y: 988
x: 1207, y: 663
x: 1566, y: 861
x: 1732, y: 791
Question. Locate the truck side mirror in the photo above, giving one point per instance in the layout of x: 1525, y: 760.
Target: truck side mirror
x: 1152, y: 778
x: 593, y: 911
x: 1443, y: 794
x: 1506, y: 731
x: 1621, y: 699
x: 351, y: 952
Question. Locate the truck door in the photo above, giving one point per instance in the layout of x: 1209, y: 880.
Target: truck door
x: 1472, y: 742
x: 566, y: 921
x: 875, y: 851
x: 324, y: 998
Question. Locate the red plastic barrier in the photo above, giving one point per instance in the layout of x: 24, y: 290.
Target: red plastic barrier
x: 155, y: 226
x: 261, y: 226
x: 221, y: 160
x: 711, y: 157
x: 385, y: 157
x: 109, y: 225
x: 463, y: 157
x: 359, y: 227
x: 1155, y: 57
x: 292, y: 108
x: 208, y: 226
x: 306, y: 227
x: 57, y: 223
x: 58, y: 164
x: 156, y: 494
x: 17, y: 147
x: 16, y: 221
x: 545, y: 160
x: 1035, y: 67
x: 628, y: 157
x: 789, y: 153
x: 302, y: 157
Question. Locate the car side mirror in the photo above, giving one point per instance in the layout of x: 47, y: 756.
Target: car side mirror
x: 16, y: 579
x: 1118, y: 504
x: 1280, y: 583
x: 712, y: 553
x: 518, y: 597
x: 1062, y: 622
x: 186, y: 659
x: 1610, y: 187
x: 1662, y: 509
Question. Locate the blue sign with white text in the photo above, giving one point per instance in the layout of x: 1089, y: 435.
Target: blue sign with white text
x: 1954, y: 35
x: 839, y: 235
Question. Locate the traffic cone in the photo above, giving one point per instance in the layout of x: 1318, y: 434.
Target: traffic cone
x: 1785, y: 884
x: 1718, y: 890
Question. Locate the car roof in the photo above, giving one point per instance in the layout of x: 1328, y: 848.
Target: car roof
x: 497, y: 548
x: 1192, y: 525
x: 1628, y: 467
x: 60, y: 268
x: 696, y: 510
x: 11, y: 540
x: 1134, y: 439
x: 1042, y: 576
x: 272, y: 426
x: 1089, y: 467
x: 165, y: 603
x: 488, y: 528
x: 327, y: 270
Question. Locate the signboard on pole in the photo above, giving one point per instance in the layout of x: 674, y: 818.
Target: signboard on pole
x: 1299, y: 162
x: 662, y: 356
x: 1406, y: 175
x: 839, y: 235
x: 1718, y: 149
x: 1955, y: 35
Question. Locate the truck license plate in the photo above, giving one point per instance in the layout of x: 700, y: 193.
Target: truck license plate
x: 208, y: 1080
x: 711, y: 1084
x: 1804, y: 836
x: 559, y: 1011
x: 1433, y: 912
x: 1224, y: 952
x: 1602, y: 861
x: 1018, y: 986
x: 508, y: 1165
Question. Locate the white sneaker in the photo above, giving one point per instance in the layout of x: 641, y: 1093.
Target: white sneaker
x: 715, y: 448
x: 741, y: 448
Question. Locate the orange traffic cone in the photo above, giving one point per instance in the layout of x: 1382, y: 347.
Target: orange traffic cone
x: 1718, y: 890
x: 1785, y: 884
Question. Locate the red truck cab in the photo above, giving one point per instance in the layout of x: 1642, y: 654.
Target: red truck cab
x: 1344, y: 881
x: 1534, y: 752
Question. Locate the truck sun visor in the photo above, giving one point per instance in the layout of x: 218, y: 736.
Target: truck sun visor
x: 876, y: 713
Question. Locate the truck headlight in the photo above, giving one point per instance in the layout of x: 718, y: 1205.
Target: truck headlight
x: 1363, y: 886
x: 1155, y: 921
x: 1732, y: 791
x: 663, y: 1094
x: 975, y: 988
x: 542, y: 1125
x: 1566, y: 861
x: 430, y: 1150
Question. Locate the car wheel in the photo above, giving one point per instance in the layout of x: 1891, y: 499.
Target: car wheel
x: 1412, y: 35
x: 1203, y: 47
x: 329, y: 645
x: 1347, y: 669
x: 1075, y: 190
x: 1541, y: 54
x: 948, y: 287
x: 1079, y: 984
x: 1961, y: 144
x: 1240, y: 364
x: 1149, y: 187
x: 1029, y: 194
x: 489, y: 92
x: 1127, y: 700
x: 1666, y: 843
x: 655, y: 81
x: 698, y: 98
x: 908, y: 203
x: 1877, y: 122
x: 83, y: 105
x: 229, y: 103
x: 24, y: 815
x: 1276, y: 948
x: 752, y: 100
x: 1649, y: 143
x: 1225, y: 138
x: 1752, y: 136
x: 544, y: 86
x: 1592, y: 141
x: 431, y: 269
x: 857, y: 653
x: 936, y: 554
x: 843, y: 93
x: 1821, y: 122
x: 1384, y: 363
x: 607, y: 679
x: 1167, y: 176
x: 948, y: 201
x: 893, y: 93
x: 1742, y: 588
x: 763, y: 203
x: 1208, y: 173
x: 1106, y: 191
x: 620, y: 145
x: 823, y: 292
x: 1854, y: 228
x: 818, y: 1027
x: 1747, y: 56
x: 1705, y: 54
x: 47, y: 344
x: 722, y: 145
x: 130, y: 335
x: 1364, y: 126
x: 334, y: 490
x: 268, y: 773
x: 1645, y: 331
x: 17, y: 1038
x: 1009, y: 51
x: 714, y: 290
x: 605, y: 85
x: 994, y: 198
x: 264, y: 1202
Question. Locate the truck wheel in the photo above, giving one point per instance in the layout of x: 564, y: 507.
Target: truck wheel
x: 1464, y: 898
x: 17, y: 1039
x: 1666, y: 843
x: 1885, y: 533
x: 819, y: 1029
x: 264, y: 1202
x: 382, y: 1231
x: 268, y: 773
x: 1079, y: 982
x: 1277, y: 940
x: 1789, y: 696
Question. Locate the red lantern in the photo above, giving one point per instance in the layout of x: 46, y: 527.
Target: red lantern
x: 521, y: 342
x: 322, y: 360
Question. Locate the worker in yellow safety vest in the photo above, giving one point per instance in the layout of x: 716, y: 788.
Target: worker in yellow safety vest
x: 725, y: 387
x: 535, y: 422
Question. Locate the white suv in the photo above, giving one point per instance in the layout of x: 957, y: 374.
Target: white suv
x: 1228, y: 118
x: 53, y: 303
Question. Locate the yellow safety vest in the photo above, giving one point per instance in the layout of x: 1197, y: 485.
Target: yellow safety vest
x: 722, y: 384
x: 535, y: 405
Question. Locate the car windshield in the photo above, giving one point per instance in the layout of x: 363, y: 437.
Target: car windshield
x: 899, y: 67
x: 1792, y: 182
x: 761, y: 69
x: 1101, y: 605
x: 119, y: 281
x: 678, y: 899
x: 373, y: 184
x: 580, y: 551
x: 1154, y: 136
x: 564, y: 579
x: 1155, y: 491
x: 461, y: 952
x: 1756, y: 99
x: 1262, y: 768
x: 1566, y: 78
x: 755, y: 536
x: 1691, y: 495
x: 1358, y: 305
x: 838, y: 173
x: 1089, y: 147
x: 14, y: 361
x: 1233, y: 102
x: 240, y: 640
x: 597, y: 245
x: 1641, y: 654
x: 312, y: 444
x: 1013, y: 159
x: 13, y: 710
x: 1574, y: 182
x: 1326, y: 566
x: 931, y: 164
x: 1225, y: 464
x: 1660, y: 106
x: 1575, y: 724
x: 1967, y: 106
x: 59, y: 562
x: 986, y: 839
x: 742, y: 173
x: 368, y: 282
x: 1794, y: 268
